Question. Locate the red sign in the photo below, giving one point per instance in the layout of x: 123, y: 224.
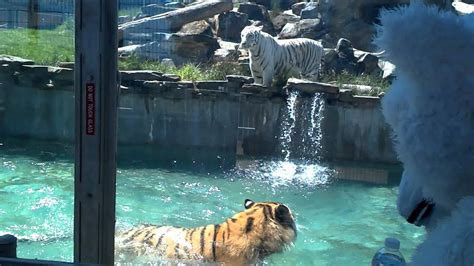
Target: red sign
x: 90, y: 109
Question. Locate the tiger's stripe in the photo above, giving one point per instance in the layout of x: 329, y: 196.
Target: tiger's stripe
x: 240, y: 240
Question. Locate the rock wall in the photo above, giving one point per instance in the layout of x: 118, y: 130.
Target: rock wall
x: 223, y: 117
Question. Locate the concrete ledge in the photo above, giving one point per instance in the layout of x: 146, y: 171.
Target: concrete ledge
x: 157, y: 108
x: 311, y: 87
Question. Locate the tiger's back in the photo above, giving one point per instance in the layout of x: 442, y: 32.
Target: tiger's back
x: 187, y: 244
x: 260, y: 230
x: 303, y: 54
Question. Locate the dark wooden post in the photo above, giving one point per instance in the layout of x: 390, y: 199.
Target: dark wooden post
x: 33, y: 17
x: 96, y: 122
x: 8, y: 246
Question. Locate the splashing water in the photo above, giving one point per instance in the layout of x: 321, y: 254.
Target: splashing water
x: 303, y: 137
x: 287, y: 174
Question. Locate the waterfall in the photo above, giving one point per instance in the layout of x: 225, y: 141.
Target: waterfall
x: 301, y: 132
x: 300, y: 142
x: 315, y: 132
x: 289, y: 123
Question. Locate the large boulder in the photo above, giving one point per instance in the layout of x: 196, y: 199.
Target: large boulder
x: 345, y: 58
x: 282, y: 19
x: 265, y: 3
x: 254, y: 11
x: 200, y: 27
x: 298, y: 7
x: 227, y: 52
x: 280, y: 4
x: 354, y: 20
x: 341, y: 59
x: 305, y: 28
x: 181, y: 48
x: 230, y: 24
x: 194, y: 48
x: 286, y: 4
x: 266, y: 26
x: 310, y: 11
x: 369, y: 64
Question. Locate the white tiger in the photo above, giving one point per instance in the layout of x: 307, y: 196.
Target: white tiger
x: 270, y: 56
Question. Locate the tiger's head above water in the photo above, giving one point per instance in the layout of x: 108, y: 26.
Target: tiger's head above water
x: 271, y: 224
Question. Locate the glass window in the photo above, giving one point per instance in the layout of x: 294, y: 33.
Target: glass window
x: 37, y: 126
x: 208, y: 117
x: 247, y: 131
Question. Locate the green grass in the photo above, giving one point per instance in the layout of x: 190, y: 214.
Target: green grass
x: 189, y: 71
x: 45, y: 47
x: 377, y: 83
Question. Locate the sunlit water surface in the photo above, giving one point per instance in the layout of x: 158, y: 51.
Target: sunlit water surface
x: 339, y: 222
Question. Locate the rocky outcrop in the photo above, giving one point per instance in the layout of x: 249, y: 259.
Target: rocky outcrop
x: 310, y: 11
x: 305, y: 28
x: 254, y: 11
x: 200, y: 27
x: 181, y: 48
x: 297, y: 8
x: 344, y: 58
x: 155, y: 35
x: 259, y: 16
x: 354, y: 20
x: 174, y: 20
x: 230, y: 24
x: 279, y: 4
x: 282, y: 19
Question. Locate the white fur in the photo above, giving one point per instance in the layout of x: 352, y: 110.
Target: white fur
x: 452, y: 241
x: 430, y: 107
x: 271, y: 57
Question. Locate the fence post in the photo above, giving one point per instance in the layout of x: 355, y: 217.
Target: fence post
x: 8, y: 246
x: 96, y: 120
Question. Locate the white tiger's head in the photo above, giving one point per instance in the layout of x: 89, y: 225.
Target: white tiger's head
x: 250, y: 37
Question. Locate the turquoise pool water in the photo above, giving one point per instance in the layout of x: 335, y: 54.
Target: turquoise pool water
x: 339, y: 222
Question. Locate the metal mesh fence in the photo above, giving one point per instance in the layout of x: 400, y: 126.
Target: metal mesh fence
x: 38, y: 30
x: 43, y: 30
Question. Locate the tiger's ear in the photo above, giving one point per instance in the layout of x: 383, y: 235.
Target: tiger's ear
x: 248, y: 203
x: 260, y: 28
x: 282, y: 214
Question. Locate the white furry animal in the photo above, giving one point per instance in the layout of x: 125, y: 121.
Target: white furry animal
x: 463, y: 8
x: 270, y: 56
x: 430, y: 107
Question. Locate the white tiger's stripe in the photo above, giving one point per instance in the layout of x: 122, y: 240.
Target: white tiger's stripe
x: 270, y: 57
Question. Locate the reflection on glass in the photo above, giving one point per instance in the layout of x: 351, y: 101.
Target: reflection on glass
x: 37, y: 126
x: 213, y: 110
x: 199, y: 129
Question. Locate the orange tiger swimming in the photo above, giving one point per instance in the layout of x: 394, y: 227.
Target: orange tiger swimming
x: 262, y: 229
